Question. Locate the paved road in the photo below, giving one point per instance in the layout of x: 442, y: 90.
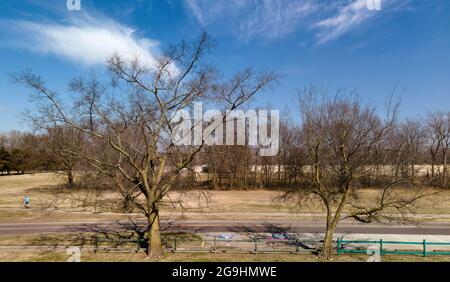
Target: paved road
x: 225, y: 226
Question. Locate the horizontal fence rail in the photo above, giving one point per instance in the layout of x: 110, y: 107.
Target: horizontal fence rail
x: 345, y: 246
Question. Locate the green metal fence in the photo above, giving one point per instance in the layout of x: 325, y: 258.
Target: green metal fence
x: 342, y: 247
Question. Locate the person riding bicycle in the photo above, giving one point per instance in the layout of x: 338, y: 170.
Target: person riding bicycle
x: 26, y: 202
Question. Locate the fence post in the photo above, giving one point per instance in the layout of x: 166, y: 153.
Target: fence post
x: 175, y: 245
x: 339, y: 246
x: 214, y: 248
x: 256, y: 246
x: 381, y: 247
x: 96, y: 245
x: 298, y: 246
x: 424, y: 248
x: 138, y: 245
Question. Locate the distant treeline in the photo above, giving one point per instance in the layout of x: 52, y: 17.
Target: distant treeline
x: 414, y: 150
x: 26, y: 152
x: 418, y: 150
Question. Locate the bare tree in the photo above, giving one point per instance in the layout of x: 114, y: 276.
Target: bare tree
x: 135, y: 119
x: 438, y: 125
x: 434, y: 141
x: 66, y: 144
x: 344, y: 140
x: 410, y: 137
x: 291, y: 155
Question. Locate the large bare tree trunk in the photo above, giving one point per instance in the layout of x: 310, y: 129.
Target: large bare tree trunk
x: 327, y: 248
x: 332, y: 222
x: 69, y: 172
x: 70, y: 178
x: 155, y: 248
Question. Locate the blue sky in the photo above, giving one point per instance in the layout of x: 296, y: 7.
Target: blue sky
x: 334, y: 44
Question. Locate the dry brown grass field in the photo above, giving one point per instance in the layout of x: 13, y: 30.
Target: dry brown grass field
x: 51, y: 202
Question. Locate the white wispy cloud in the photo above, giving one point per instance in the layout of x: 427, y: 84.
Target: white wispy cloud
x: 350, y: 15
x: 276, y: 18
x: 85, y: 40
x: 271, y: 19
x: 253, y: 18
x: 347, y: 17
